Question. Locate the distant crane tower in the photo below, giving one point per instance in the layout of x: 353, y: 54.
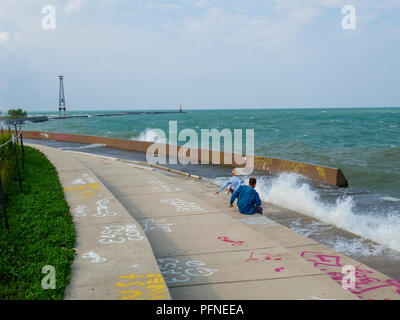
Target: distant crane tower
x: 61, y: 104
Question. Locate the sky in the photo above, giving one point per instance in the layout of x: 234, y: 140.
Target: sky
x: 155, y: 54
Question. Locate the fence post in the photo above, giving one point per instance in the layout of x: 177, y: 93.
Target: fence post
x: 16, y: 160
x: 3, y: 203
x: 22, y: 148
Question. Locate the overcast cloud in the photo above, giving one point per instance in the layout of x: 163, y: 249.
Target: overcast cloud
x: 126, y: 54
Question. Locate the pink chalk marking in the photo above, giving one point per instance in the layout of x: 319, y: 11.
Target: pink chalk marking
x: 326, y: 260
x: 251, y: 257
x: 388, y: 283
x: 268, y: 257
x: 279, y: 269
x: 363, y: 277
x: 234, y: 243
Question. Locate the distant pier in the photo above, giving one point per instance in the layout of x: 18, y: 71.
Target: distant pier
x: 124, y: 113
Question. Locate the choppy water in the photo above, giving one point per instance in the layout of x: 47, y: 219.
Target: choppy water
x: 364, y: 143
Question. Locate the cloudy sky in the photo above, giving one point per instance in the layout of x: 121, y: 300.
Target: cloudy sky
x: 126, y: 54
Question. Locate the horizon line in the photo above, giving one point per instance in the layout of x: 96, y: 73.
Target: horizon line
x: 210, y: 108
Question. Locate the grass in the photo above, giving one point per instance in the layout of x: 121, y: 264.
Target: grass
x: 41, y: 233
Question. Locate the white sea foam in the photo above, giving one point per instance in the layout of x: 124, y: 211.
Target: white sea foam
x: 150, y: 135
x: 290, y: 191
x: 356, y: 246
x: 390, y: 199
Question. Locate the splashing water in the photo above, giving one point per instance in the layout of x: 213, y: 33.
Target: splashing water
x: 291, y: 192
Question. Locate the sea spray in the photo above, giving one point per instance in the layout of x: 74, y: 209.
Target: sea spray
x: 290, y: 191
x: 149, y: 135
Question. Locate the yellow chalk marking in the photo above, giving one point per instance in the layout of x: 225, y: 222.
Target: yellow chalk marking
x: 86, y: 191
x: 147, y: 287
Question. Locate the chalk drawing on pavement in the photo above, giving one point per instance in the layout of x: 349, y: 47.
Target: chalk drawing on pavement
x: 174, y: 270
x: 119, y: 234
x: 96, y: 258
x: 232, y: 242
x: 142, y: 287
x: 368, y: 283
x: 102, y: 209
x: 79, y: 211
x: 160, y: 186
x: 183, y: 205
x: 156, y: 224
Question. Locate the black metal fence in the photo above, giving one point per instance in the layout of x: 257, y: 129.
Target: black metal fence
x: 16, y: 137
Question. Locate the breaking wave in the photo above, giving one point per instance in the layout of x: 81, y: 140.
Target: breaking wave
x: 291, y: 192
x: 150, y: 135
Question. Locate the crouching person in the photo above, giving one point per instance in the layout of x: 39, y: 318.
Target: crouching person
x: 248, y: 199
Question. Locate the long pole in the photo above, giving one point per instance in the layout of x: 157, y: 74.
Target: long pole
x: 3, y: 204
x: 16, y: 160
x: 22, y: 148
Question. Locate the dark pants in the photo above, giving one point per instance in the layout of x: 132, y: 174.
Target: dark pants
x: 258, y: 209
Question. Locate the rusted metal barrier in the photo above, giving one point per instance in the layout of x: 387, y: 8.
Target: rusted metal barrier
x: 332, y: 176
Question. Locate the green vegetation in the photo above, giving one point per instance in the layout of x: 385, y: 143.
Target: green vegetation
x: 17, y: 113
x: 41, y: 233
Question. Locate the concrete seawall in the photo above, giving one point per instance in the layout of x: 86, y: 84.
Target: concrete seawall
x: 332, y: 176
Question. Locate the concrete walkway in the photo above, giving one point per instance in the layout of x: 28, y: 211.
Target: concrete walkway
x: 114, y: 259
x: 204, y: 250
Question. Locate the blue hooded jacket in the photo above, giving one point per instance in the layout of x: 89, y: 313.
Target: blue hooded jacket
x: 248, y: 198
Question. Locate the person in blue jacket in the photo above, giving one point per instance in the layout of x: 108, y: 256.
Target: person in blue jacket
x: 235, y: 182
x: 248, y: 199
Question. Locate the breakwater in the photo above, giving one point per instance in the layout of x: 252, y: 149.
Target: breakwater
x: 46, y: 118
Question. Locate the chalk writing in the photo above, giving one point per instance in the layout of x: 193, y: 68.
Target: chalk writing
x: 119, y: 234
x: 79, y: 211
x: 366, y: 281
x: 156, y: 224
x: 183, y: 205
x: 234, y: 243
x: 94, y: 256
x: 322, y: 259
x: 265, y: 256
x: 85, y: 191
x: 142, y: 287
x: 175, y: 271
x: 160, y: 186
x: 279, y: 269
x: 259, y: 220
x: 84, y: 180
x: 102, y: 209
